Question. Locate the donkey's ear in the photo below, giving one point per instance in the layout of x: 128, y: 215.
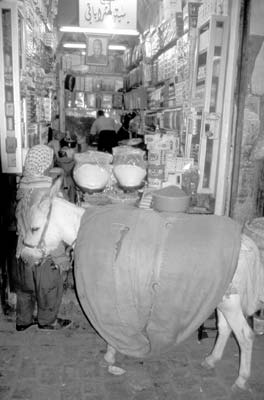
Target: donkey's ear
x: 56, y: 187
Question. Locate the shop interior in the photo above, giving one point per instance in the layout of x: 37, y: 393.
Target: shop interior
x: 132, y: 201
x: 162, y: 81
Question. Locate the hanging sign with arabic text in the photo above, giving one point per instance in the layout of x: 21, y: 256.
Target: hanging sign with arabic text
x: 96, y: 13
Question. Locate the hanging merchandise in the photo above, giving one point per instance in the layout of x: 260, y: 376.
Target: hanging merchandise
x: 28, y: 66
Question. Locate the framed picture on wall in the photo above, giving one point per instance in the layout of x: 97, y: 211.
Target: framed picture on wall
x: 97, y: 50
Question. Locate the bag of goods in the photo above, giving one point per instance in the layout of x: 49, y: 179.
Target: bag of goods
x: 129, y: 155
x: 93, y: 157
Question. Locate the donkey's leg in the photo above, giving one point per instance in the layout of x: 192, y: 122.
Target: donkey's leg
x: 110, y: 354
x: 224, y: 331
x: 231, y: 308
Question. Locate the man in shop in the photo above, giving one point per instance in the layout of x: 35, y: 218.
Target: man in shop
x: 105, y: 128
x: 38, y: 284
x: 97, y: 57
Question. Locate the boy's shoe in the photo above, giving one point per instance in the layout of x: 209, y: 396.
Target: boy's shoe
x: 21, y: 328
x: 58, y: 324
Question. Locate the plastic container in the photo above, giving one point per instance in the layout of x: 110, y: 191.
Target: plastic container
x: 93, y: 157
x: 91, y: 177
x: 170, y: 199
x: 129, y: 176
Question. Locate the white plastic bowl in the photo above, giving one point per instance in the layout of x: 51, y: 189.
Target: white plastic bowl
x: 91, y: 176
x: 129, y: 175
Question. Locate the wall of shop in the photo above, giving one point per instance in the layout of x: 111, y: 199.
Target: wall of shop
x: 247, y: 198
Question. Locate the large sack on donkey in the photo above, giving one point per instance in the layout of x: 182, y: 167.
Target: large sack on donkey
x: 146, y: 281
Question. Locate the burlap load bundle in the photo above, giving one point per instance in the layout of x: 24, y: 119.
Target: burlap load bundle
x: 146, y: 281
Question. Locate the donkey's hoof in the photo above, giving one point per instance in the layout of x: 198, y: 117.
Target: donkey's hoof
x: 239, y: 386
x: 206, y: 364
x: 109, y: 358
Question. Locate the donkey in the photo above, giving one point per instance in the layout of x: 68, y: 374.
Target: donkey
x: 53, y: 219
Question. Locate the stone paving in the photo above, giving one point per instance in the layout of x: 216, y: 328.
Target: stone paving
x: 69, y: 365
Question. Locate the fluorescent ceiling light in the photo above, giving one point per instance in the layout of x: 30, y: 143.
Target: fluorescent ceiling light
x: 77, y: 29
x: 116, y: 47
x: 75, y: 45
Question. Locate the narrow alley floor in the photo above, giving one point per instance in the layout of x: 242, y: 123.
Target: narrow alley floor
x: 69, y: 365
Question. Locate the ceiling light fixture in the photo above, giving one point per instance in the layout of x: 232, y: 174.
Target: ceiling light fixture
x: 78, y: 29
x: 116, y: 47
x: 74, y: 45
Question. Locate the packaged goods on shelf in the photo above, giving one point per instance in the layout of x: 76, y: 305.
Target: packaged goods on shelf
x: 182, y: 55
x: 79, y: 99
x: 47, y: 106
x: 161, y: 61
x: 172, y: 120
x: 175, y: 168
x: 90, y: 100
x: 97, y: 84
x: 150, y: 122
x: 156, y: 172
x: 108, y: 84
x: 69, y: 99
x: 137, y: 54
x: 155, y: 157
x: 107, y: 101
x: 88, y: 83
x: 165, y: 142
x: 119, y: 84
x: 151, y: 139
x: 117, y: 100
x: 154, y: 98
x: 190, y: 15
x: 127, y: 57
x: 162, y: 152
x: 170, y: 161
x: 71, y: 60
x: 49, y: 39
x: 79, y: 83
x: 147, y: 74
x: 147, y: 52
x: 171, y: 7
x: 29, y: 78
x: 211, y: 7
x: 155, y: 42
x: 136, y: 99
x: 179, y: 93
x: 171, y: 29
x: 155, y: 183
